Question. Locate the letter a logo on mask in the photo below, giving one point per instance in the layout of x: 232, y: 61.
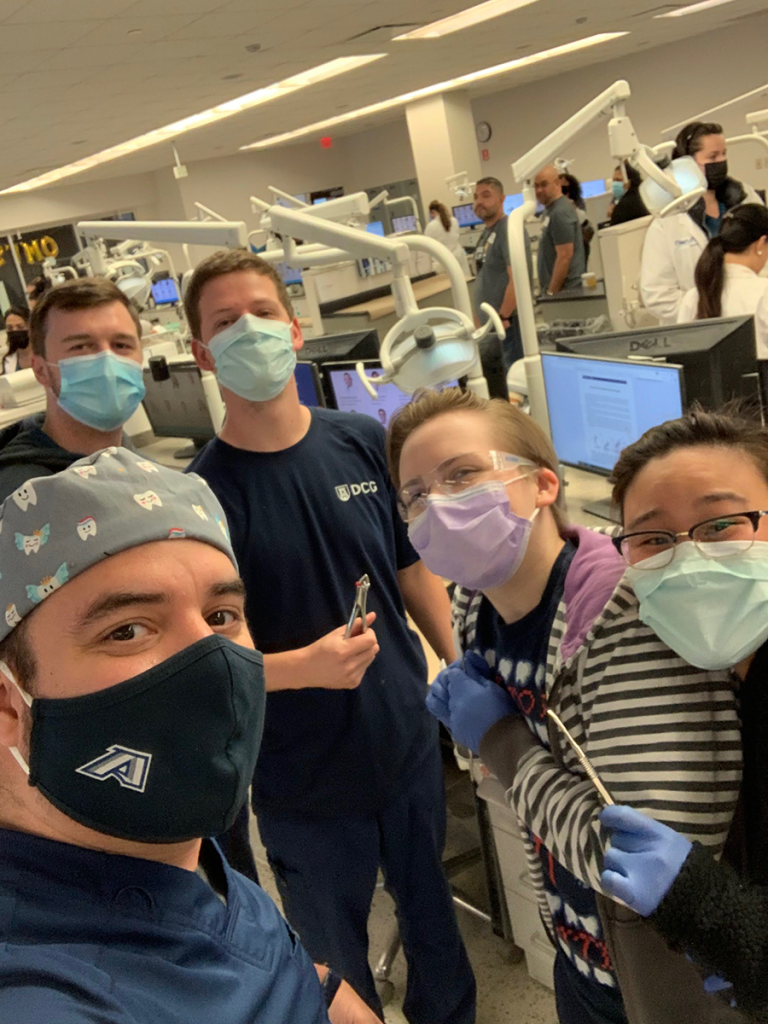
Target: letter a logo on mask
x: 129, y: 767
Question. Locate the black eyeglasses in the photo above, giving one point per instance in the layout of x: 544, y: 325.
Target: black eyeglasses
x: 736, y: 534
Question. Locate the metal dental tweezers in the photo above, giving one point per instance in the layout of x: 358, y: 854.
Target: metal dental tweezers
x: 362, y: 587
x: 586, y: 764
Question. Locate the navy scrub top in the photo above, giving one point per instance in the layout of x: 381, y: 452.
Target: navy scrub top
x: 94, y: 938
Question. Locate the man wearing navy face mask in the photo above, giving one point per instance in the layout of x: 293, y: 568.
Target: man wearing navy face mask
x: 131, y: 712
x: 349, y: 775
x: 86, y: 353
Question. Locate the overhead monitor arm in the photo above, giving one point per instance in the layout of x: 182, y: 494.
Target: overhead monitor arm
x: 229, y: 234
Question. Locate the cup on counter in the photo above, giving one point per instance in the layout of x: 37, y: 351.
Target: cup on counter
x: 589, y: 280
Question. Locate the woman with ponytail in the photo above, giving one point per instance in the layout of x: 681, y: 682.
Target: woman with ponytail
x: 444, y: 228
x: 726, y: 276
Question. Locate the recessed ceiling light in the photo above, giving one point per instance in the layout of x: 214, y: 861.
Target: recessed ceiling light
x: 431, y: 90
x: 681, y: 12
x: 465, y: 19
x: 171, y: 131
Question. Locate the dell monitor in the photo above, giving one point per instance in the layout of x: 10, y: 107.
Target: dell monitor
x: 466, y: 216
x: 347, y: 392
x: 599, y: 406
x: 717, y: 356
x: 376, y: 227
x: 308, y: 384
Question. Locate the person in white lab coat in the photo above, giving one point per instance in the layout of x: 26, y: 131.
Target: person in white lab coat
x: 674, y: 244
x: 445, y: 228
x: 727, y: 282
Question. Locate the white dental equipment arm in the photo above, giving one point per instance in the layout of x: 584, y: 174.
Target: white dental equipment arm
x: 675, y: 128
x: 413, y: 205
x: 425, y: 347
x: 221, y: 234
x: 624, y: 145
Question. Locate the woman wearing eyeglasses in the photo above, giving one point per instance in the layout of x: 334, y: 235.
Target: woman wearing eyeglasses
x: 694, y: 496
x: 544, y: 620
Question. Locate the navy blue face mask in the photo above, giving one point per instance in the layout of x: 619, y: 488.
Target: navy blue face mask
x: 164, y: 757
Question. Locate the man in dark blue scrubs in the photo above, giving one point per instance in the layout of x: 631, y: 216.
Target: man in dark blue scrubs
x: 350, y: 775
x: 131, y: 711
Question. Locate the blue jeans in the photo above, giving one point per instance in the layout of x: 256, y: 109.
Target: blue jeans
x: 326, y: 875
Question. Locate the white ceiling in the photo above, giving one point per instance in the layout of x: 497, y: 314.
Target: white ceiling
x: 77, y: 76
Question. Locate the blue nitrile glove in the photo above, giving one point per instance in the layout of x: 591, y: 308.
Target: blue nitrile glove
x: 467, y: 701
x: 644, y: 858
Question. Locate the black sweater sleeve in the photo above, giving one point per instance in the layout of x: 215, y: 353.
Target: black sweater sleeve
x: 722, y: 924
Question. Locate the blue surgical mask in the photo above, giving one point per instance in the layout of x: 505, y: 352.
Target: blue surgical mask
x: 617, y: 187
x: 713, y: 612
x: 254, y: 357
x: 102, y: 391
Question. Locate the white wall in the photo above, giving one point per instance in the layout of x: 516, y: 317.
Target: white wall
x: 668, y: 84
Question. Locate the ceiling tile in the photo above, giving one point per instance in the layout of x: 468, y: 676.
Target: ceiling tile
x: 36, y: 11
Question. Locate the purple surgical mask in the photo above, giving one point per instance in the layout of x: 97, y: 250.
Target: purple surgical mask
x: 472, y: 538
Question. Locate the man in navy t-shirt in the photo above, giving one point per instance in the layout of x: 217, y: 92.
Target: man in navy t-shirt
x: 350, y: 776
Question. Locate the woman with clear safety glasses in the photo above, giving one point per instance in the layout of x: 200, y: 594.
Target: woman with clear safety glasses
x: 694, y: 497
x: 545, y: 621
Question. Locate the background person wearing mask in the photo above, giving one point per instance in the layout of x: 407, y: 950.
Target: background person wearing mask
x: 350, y: 774
x: 131, y: 710
x: 86, y: 353
x: 477, y: 482
x: 726, y: 276
x: 19, y: 355
x: 673, y: 244
x: 669, y: 484
x: 561, y: 258
x: 443, y: 227
x: 628, y: 204
x: 494, y: 283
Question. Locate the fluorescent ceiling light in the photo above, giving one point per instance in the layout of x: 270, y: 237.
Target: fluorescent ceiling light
x: 465, y: 19
x: 431, y: 90
x: 693, y: 8
x: 205, y: 117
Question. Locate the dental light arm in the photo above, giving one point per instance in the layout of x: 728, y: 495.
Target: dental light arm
x: 425, y: 347
x: 221, y: 234
x: 413, y: 205
x: 624, y: 145
x: 209, y: 214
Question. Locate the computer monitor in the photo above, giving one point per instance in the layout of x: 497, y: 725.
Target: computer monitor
x: 407, y: 223
x: 376, y: 227
x: 590, y: 189
x: 165, y: 292
x: 308, y: 383
x: 290, y: 275
x: 466, y: 216
x: 182, y: 401
x: 512, y: 202
x: 717, y: 356
x: 346, y: 392
x: 349, y: 345
x: 599, y: 406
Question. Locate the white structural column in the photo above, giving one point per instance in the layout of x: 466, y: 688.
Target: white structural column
x: 442, y: 133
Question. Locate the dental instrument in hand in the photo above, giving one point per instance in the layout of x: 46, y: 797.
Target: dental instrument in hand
x: 584, y: 761
x: 362, y: 587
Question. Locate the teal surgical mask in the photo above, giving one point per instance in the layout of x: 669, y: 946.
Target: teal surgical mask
x: 102, y: 391
x: 617, y: 187
x: 254, y: 357
x: 713, y: 612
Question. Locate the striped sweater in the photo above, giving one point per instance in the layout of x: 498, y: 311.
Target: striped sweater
x: 663, y: 736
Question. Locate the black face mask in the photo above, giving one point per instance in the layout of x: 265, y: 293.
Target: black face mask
x: 716, y: 174
x: 18, y: 339
x: 164, y: 757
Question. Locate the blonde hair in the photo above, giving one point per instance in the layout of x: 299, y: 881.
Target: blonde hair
x: 516, y: 432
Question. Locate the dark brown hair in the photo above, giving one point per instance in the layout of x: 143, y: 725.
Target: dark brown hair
x: 85, y: 293
x: 442, y: 212
x: 726, y: 428
x: 517, y: 433
x: 229, y: 261
x: 741, y: 227
x: 493, y: 182
x: 16, y: 651
x: 689, y: 138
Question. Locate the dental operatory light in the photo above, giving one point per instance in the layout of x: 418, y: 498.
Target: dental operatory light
x: 688, y: 175
x: 432, y: 90
x: 464, y: 19
x: 205, y: 117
